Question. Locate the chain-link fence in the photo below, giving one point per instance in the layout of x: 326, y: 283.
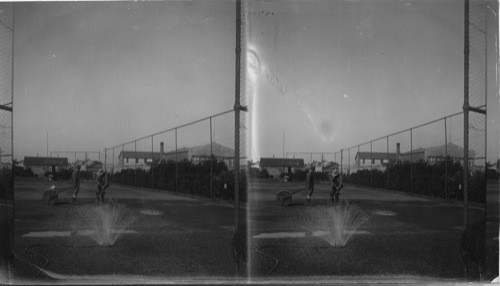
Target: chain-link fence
x: 195, y: 158
x: 426, y: 159
x: 6, y: 135
x: 475, y: 84
x: 86, y: 159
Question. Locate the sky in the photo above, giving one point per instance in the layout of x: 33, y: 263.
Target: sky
x: 340, y: 73
x: 322, y: 75
x: 95, y: 75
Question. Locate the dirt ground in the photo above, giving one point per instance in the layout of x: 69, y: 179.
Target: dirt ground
x: 170, y: 237
x: 404, y: 237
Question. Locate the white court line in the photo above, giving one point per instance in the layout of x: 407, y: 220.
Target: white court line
x: 317, y: 233
x: 150, y: 212
x: 68, y: 233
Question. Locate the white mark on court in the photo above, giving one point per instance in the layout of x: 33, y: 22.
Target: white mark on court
x: 150, y: 212
x: 317, y: 233
x: 68, y: 233
x: 280, y: 235
x: 384, y: 213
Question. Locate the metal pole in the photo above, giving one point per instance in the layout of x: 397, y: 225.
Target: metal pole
x: 47, y: 167
x: 371, y: 164
x: 176, y: 160
x: 135, y: 164
x: 486, y: 107
x: 349, y: 164
x: 341, y: 162
x: 113, y: 165
x: 211, y: 161
x: 105, y: 158
x: 123, y: 159
x: 237, y: 106
x: 282, y: 160
x: 466, y: 115
x: 411, y: 161
x: 152, y: 161
x: 358, y: 167
x: 388, y: 164
x: 445, y: 158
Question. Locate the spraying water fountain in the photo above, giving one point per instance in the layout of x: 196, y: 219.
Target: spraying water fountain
x: 107, y: 222
x: 336, y: 224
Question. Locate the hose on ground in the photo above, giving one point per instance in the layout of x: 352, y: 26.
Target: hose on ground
x: 43, y: 268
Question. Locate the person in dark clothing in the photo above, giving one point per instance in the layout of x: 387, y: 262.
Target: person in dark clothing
x: 102, y: 185
x: 75, y: 177
x: 310, y: 183
x: 336, y: 186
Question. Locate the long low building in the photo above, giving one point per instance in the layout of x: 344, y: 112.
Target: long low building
x: 380, y: 160
x: 40, y: 165
x: 276, y: 166
x: 195, y: 154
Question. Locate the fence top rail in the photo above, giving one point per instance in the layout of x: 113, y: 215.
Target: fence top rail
x: 408, y: 129
x: 295, y: 153
x: 173, y: 128
x: 73, y: 152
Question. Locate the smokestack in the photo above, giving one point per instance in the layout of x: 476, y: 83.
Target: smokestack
x: 162, y: 151
x: 398, y: 151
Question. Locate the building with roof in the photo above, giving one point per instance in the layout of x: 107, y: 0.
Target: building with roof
x: 276, y: 166
x: 195, y: 154
x: 380, y: 160
x: 376, y: 160
x: 40, y: 165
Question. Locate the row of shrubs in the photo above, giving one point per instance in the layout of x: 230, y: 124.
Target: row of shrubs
x: 6, y: 184
x: 297, y: 175
x: 62, y: 174
x: 442, y: 179
x: 186, y: 177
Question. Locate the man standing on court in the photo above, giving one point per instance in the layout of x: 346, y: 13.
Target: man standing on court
x: 76, y: 181
x: 336, y: 186
x: 102, y: 185
x: 310, y: 183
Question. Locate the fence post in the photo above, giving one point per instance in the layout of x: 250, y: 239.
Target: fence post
x: 466, y: 115
x: 135, y: 163
x: 349, y: 164
x: 358, y: 167
x: 445, y: 159
x: 211, y: 160
x: 341, y: 162
x: 388, y: 165
x: 411, y: 160
x: 123, y: 160
x: 371, y: 164
x: 152, y: 161
x: 113, y: 166
x: 105, y: 155
x: 176, y: 160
